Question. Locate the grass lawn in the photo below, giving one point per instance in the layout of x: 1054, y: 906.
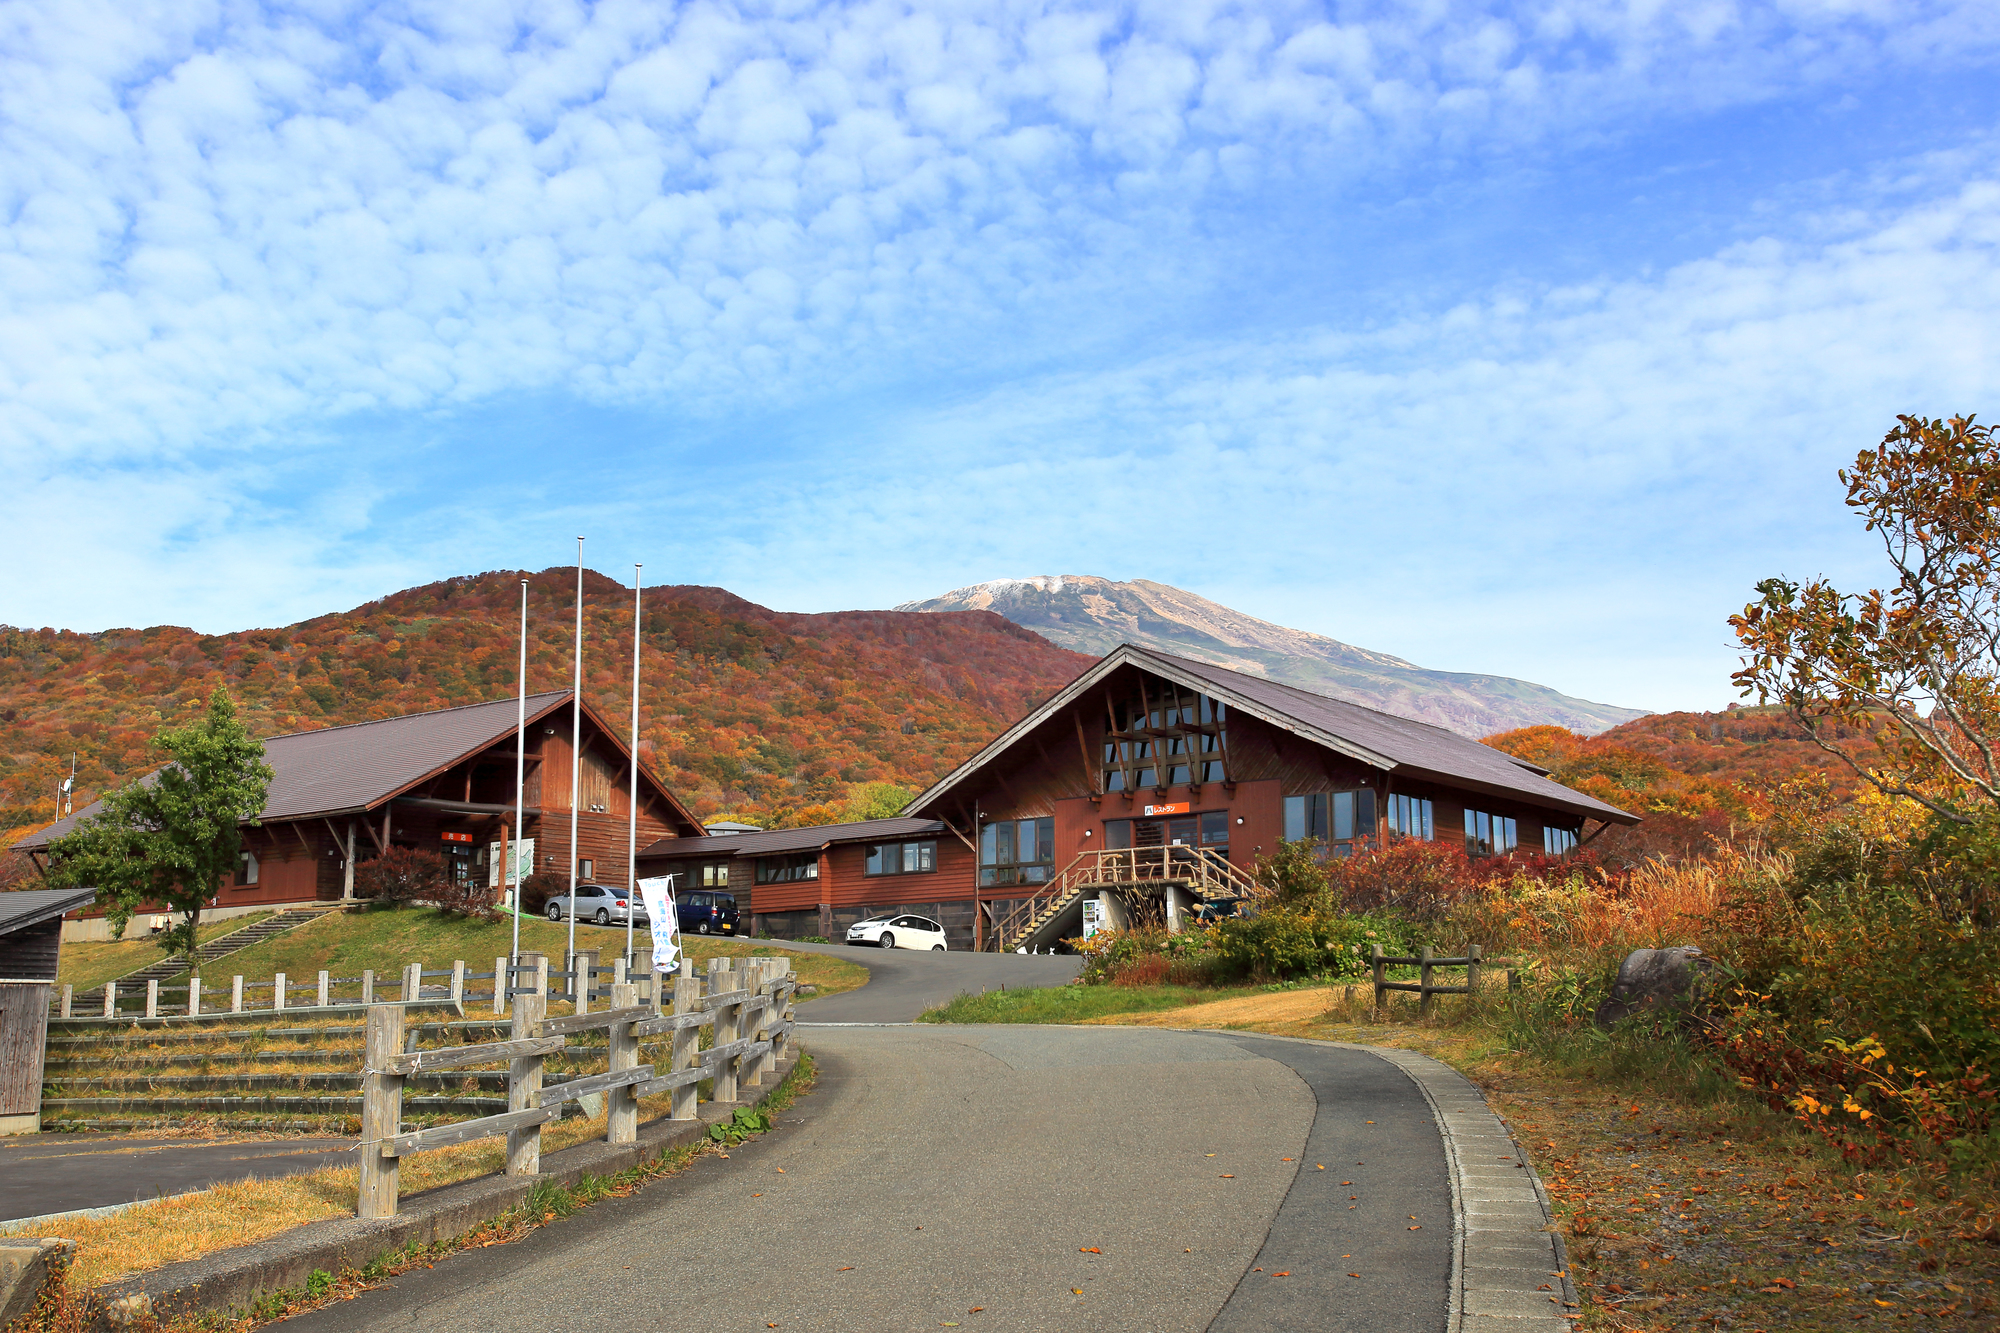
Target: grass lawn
x: 386, y: 939
x: 87, y: 965
x: 1068, y: 1004
x: 1684, y: 1203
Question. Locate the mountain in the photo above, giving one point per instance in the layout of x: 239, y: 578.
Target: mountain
x: 761, y: 714
x: 1094, y: 615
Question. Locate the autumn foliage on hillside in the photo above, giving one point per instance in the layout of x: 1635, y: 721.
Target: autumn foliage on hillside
x: 1693, y: 777
x: 745, y: 711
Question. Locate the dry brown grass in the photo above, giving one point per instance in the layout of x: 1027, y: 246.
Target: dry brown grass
x: 155, y: 1234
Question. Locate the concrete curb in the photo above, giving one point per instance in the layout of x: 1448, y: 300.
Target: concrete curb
x: 24, y: 1268
x: 236, y: 1279
x: 1509, y: 1267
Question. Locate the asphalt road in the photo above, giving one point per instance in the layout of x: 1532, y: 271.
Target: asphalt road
x: 939, y: 1169
x: 902, y: 983
x: 60, y: 1173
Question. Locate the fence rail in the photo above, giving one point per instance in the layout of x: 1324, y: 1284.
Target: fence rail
x: 577, y: 981
x: 746, y: 1004
x: 1424, y: 986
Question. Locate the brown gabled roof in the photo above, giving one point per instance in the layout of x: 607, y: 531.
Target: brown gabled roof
x: 351, y: 769
x: 1397, y: 745
x: 770, y: 842
x: 28, y: 907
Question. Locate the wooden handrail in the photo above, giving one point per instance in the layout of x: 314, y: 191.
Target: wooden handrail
x: 1207, y: 871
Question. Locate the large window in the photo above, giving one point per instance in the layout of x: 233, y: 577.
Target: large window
x: 1017, y: 851
x: 787, y: 869
x: 1488, y: 835
x: 1170, y: 739
x: 1410, y: 817
x: 1558, y: 841
x: 1338, y: 818
x: 901, y: 858
x: 712, y: 875
x: 246, y: 867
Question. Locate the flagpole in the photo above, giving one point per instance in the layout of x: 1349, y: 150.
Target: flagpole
x: 504, y: 984
x: 632, y: 810
x: 575, y: 768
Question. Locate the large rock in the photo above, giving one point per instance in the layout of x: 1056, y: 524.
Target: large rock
x: 24, y: 1269
x: 1670, y: 979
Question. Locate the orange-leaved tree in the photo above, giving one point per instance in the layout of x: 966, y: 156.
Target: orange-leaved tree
x: 1916, y: 665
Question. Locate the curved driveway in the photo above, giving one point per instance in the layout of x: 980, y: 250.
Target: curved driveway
x: 902, y: 983
x: 941, y: 1168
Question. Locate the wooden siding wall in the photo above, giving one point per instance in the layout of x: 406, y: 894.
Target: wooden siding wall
x: 24, y: 1024
x: 30, y: 954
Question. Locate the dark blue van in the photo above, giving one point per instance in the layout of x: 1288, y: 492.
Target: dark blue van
x: 707, y: 912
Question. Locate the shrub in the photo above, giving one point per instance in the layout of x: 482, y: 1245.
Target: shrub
x: 1410, y: 875
x: 400, y: 875
x: 538, y: 888
x: 465, y: 897
x: 1283, y: 943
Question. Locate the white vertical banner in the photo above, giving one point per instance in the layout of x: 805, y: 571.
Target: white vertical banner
x: 658, y: 895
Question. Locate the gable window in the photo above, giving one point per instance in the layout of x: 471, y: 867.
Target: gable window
x: 246, y: 867
x: 586, y: 868
x: 1488, y: 835
x: 1558, y: 841
x: 787, y: 869
x: 1338, y: 818
x: 1166, y: 740
x: 1017, y: 851
x: 1410, y: 817
x: 901, y: 858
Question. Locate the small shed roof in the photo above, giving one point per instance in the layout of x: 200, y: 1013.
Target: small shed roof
x: 771, y: 842
x: 31, y: 907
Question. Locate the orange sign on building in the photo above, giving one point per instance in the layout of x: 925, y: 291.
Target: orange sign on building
x: 1174, y: 808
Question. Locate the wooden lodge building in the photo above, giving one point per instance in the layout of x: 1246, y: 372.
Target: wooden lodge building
x: 1150, y: 783
x: 441, y: 780
x: 791, y: 883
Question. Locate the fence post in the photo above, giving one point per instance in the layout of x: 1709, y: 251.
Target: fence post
x: 1428, y: 1000
x: 687, y: 1000
x: 236, y: 995
x: 381, y: 1112
x: 367, y: 985
x: 1472, y: 974
x: 278, y: 993
x: 66, y: 1001
x: 325, y: 988
x: 153, y: 999
x: 1381, y: 970
x: 524, y: 1086
x: 502, y: 979
x: 194, y: 996
x: 723, y: 978
x: 458, y: 984
x: 541, y: 976
x: 621, y: 1114
x: 618, y: 975
x: 111, y: 999
x: 413, y: 982
x: 584, y: 965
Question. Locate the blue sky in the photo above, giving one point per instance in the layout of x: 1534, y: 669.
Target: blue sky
x: 1514, y: 338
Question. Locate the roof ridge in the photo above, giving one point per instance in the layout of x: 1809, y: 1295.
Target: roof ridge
x: 404, y: 717
x: 1311, y: 694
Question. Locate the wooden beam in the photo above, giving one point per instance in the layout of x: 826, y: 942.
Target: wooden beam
x: 454, y: 1057
x: 1093, y: 773
x: 444, y: 1136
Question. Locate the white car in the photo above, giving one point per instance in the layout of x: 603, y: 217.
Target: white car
x: 898, y: 932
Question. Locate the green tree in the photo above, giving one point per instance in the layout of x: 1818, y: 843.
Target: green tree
x: 1916, y: 666
x: 173, y: 837
x: 876, y: 800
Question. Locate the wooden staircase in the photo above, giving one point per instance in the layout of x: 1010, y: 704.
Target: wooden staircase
x: 1204, y: 872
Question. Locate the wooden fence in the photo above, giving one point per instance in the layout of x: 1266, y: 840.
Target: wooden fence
x: 456, y: 985
x: 746, y: 1004
x: 1428, y: 989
